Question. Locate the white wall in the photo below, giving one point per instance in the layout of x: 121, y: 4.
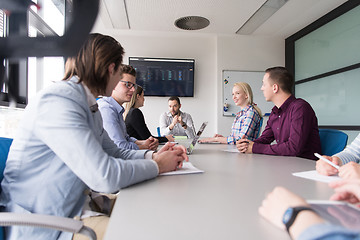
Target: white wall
x: 212, y: 54
x: 202, y: 48
x: 246, y: 53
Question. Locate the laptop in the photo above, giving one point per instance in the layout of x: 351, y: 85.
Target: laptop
x: 190, y: 148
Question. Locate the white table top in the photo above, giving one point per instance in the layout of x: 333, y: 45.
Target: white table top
x: 221, y: 203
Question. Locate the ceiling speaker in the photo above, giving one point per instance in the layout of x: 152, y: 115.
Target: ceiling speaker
x: 192, y: 23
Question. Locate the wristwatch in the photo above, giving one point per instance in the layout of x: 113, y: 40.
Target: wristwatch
x: 291, y: 214
x: 183, y: 125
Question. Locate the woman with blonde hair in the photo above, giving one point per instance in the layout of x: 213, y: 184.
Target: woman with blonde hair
x: 246, y: 122
x: 135, y: 121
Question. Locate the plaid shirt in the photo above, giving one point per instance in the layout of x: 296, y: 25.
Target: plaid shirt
x: 247, y: 122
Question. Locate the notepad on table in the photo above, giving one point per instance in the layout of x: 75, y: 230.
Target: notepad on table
x: 187, y: 168
x: 314, y: 175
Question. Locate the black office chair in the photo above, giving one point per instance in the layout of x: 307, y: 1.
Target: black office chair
x: 332, y: 141
x: 36, y: 220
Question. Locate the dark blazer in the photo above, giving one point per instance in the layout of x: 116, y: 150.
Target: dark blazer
x: 136, y: 126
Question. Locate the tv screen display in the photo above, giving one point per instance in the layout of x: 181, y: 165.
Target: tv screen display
x: 164, y: 76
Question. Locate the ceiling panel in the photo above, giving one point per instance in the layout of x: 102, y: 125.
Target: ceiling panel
x: 226, y: 16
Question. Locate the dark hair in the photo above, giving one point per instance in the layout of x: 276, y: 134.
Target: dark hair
x: 70, y: 70
x: 127, y: 69
x: 94, y: 58
x: 282, y: 77
x: 172, y: 98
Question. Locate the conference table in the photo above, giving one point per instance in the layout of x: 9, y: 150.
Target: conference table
x: 221, y: 203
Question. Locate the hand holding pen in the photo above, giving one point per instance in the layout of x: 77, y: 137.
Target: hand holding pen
x: 327, y: 165
x: 244, y: 145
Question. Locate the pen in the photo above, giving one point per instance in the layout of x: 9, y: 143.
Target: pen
x: 326, y: 160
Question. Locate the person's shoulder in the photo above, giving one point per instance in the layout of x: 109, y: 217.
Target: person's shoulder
x: 105, y: 102
x: 300, y: 104
x: 164, y: 114
x: 186, y: 114
x: 135, y: 112
x: 67, y: 89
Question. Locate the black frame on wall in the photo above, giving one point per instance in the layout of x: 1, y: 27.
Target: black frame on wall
x: 290, y: 51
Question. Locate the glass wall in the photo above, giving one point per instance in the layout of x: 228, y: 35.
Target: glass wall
x: 324, y: 58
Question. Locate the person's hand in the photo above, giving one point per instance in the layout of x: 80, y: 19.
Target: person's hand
x: 244, y: 145
x: 174, y: 122
x: 346, y: 190
x: 275, y: 204
x: 170, y: 138
x: 170, y: 157
x: 350, y: 170
x: 218, y: 135
x: 278, y: 201
x: 153, y: 143
x: 326, y: 169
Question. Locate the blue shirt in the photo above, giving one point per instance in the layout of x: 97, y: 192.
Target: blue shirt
x: 61, y: 150
x: 114, y: 124
x: 326, y: 231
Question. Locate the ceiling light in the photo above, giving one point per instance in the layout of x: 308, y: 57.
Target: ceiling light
x: 260, y: 16
x: 192, y: 23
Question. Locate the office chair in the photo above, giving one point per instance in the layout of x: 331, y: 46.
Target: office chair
x: 332, y: 141
x: 260, y: 125
x: 37, y: 220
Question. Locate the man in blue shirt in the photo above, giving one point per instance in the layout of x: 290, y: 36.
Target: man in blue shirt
x: 111, y: 110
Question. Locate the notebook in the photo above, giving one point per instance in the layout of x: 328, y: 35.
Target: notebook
x: 190, y: 148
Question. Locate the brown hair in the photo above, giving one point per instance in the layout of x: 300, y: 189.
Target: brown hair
x: 282, y: 77
x: 69, y: 68
x: 93, y: 60
x: 172, y: 98
x: 127, y: 69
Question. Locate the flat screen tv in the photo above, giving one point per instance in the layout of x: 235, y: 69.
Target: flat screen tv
x: 164, y: 76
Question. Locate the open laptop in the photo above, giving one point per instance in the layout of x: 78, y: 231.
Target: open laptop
x: 190, y: 148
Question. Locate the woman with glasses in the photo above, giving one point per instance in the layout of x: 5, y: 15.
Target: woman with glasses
x: 111, y: 110
x: 135, y: 121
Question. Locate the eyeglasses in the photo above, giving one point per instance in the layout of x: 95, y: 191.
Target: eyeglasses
x: 129, y: 85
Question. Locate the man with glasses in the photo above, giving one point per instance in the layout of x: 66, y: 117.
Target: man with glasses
x: 111, y: 110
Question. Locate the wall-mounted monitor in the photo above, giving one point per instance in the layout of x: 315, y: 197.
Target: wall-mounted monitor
x: 164, y: 76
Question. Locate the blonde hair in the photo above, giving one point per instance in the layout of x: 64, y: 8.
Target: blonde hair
x: 247, y: 90
x: 139, y: 90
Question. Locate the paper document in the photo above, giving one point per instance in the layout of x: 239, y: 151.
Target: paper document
x: 314, y: 175
x: 234, y: 150
x: 187, y: 168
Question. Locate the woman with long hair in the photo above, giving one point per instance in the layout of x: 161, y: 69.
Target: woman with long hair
x: 246, y: 122
x: 135, y: 121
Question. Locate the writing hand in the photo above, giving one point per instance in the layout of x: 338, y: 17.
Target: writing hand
x: 326, y: 169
